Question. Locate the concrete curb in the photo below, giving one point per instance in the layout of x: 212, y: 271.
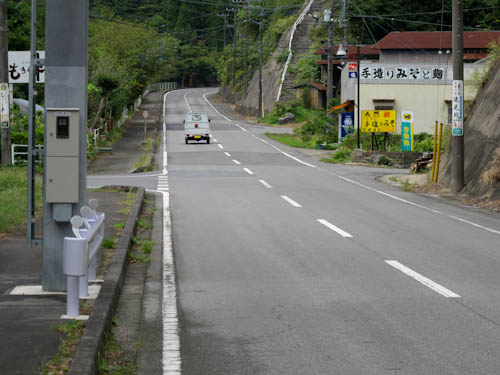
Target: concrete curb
x: 87, y: 353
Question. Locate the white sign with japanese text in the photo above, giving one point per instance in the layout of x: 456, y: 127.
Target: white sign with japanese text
x: 402, y: 73
x: 457, y: 108
x: 19, y: 67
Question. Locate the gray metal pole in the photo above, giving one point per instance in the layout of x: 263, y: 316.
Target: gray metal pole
x: 329, y: 93
x: 261, y: 102
x: 234, y: 49
x: 66, y: 77
x: 358, y: 101
x: 246, y: 48
x: 4, y: 78
x: 32, y: 152
x: 457, y: 142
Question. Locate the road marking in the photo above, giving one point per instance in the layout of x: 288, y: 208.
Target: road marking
x: 241, y: 127
x: 412, y: 203
x: 220, y: 114
x: 210, y: 104
x: 187, y: 104
x: 227, y: 154
x: 329, y: 225
x: 215, y: 140
x: 422, y: 279
x: 291, y: 201
x: 248, y: 171
x: 171, y: 354
x: 236, y: 162
x: 265, y: 184
x: 220, y: 146
x: 284, y: 153
x: 172, y: 363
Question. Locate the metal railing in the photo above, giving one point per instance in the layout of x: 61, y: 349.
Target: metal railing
x: 290, y: 52
x: 80, y: 255
x: 15, y: 154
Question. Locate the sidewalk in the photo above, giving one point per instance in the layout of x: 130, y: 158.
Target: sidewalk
x: 128, y: 149
x: 28, y: 324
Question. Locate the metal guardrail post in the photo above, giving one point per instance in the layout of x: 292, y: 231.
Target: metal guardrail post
x: 80, y: 255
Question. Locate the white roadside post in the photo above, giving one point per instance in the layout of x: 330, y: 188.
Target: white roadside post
x: 80, y: 256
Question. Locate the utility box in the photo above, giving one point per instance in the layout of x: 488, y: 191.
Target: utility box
x: 62, y: 150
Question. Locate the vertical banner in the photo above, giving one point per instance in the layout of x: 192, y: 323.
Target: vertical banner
x: 4, y: 105
x: 457, y: 109
x: 406, y: 131
x: 346, y: 125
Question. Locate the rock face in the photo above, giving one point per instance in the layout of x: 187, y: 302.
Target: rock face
x: 482, y: 138
x: 272, y: 71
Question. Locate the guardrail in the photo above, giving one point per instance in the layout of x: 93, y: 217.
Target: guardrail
x: 290, y: 52
x: 15, y: 153
x: 80, y: 255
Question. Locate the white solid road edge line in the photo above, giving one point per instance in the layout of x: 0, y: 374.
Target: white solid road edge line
x: 291, y: 201
x: 265, y: 184
x: 171, y: 340
x: 329, y: 225
x: 220, y: 114
x: 236, y: 162
x: 422, y: 279
x: 284, y: 153
x: 171, y: 353
x: 248, y: 171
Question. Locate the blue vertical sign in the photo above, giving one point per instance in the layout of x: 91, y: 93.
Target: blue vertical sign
x: 346, y: 125
x: 406, y: 131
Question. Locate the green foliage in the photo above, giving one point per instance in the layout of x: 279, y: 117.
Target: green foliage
x: 13, y: 199
x: 343, y: 155
x: 307, y: 69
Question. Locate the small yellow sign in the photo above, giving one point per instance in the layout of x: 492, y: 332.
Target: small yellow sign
x: 378, y: 121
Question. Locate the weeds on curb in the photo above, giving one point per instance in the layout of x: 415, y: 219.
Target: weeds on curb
x: 73, y: 331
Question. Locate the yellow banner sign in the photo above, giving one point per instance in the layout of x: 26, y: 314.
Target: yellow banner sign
x: 378, y: 121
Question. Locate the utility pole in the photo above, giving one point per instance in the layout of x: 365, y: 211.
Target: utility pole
x: 457, y: 139
x: 261, y: 102
x: 246, y: 47
x: 224, y: 15
x: 234, y: 46
x: 4, y: 80
x: 345, y: 23
x: 358, y: 103
x: 66, y: 63
x: 329, y: 80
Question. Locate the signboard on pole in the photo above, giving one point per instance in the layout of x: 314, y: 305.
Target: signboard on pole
x: 19, y: 67
x: 346, y: 125
x: 378, y: 121
x: 4, y: 105
x: 406, y: 131
x: 457, y: 108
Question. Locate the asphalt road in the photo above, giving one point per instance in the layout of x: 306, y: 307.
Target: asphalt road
x: 286, y: 265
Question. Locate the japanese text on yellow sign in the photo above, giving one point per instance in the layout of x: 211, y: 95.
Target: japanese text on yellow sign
x: 378, y: 121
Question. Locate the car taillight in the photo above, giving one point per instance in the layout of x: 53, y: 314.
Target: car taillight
x: 195, y: 125
x: 206, y: 135
x: 187, y: 135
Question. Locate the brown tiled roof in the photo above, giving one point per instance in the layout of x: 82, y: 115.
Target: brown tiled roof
x: 436, y: 40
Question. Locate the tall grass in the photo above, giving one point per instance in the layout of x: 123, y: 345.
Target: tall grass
x: 13, y: 196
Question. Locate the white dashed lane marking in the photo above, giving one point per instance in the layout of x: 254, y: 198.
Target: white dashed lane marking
x: 423, y: 280
x: 291, y: 201
x: 329, y: 225
x: 248, y: 171
x: 265, y: 184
